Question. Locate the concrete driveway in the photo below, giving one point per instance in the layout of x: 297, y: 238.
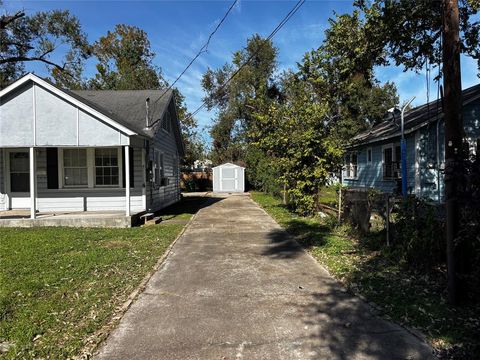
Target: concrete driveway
x: 236, y: 287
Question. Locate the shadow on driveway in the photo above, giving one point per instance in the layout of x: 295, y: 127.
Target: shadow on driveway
x: 345, y: 327
x: 339, y: 325
x: 297, y: 235
x: 188, y: 205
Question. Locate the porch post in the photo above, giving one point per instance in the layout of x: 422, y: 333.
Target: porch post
x: 127, y: 180
x: 33, y: 184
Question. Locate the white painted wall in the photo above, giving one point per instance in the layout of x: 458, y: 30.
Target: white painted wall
x: 34, y: 116
x: 158, y: 197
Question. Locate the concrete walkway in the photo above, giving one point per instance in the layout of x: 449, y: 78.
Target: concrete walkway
x: 236, y: 287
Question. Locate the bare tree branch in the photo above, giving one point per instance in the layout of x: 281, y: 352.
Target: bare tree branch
x: 34, y: 58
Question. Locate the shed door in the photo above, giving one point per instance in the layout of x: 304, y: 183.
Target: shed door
x: 229, y: 179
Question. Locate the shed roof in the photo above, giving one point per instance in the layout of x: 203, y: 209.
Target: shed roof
x: 414, y: 119
x: 228, y: 164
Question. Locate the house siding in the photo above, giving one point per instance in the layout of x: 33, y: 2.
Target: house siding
x: 96, y: 199
x: 425, y: 176
x: 159, y: 197
x: 34, y: 116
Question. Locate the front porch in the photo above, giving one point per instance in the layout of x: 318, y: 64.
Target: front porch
x: 22, y: 218
x: 32, y: 179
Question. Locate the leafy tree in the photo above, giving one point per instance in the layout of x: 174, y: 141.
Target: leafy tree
x: 411, y: 30
x: 194, y: 147
x: 125, y: 61
x: 235, y: 101
x: 38, y: 38
x: 340, y: 72
x: 297, y: 136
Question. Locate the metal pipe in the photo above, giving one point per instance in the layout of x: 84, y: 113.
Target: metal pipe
x: 438, y: 161
x: 147, y: 109
x: 403, y: 149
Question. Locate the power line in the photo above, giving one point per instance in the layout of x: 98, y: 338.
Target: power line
x: 202, y: 50
x: 272, y: 34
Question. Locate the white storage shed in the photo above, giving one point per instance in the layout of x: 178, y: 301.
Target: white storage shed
x: 228, y: 177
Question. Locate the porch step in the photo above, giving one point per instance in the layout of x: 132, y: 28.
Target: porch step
x: 146, y: 217
x: 153, y: 221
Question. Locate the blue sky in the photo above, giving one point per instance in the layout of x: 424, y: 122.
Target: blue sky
x: 178, y: 29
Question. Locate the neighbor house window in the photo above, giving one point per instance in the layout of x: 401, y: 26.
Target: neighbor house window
x: 159, y: 170
x: 391, y: 162
x: 351, y: 165
x: 75, y: 171
x: 166, y: 122
x: 369, y: 155
x: 106, y: 167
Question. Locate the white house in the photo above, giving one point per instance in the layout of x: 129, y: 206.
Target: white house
x: 80, y: 151
x: 228, y: 177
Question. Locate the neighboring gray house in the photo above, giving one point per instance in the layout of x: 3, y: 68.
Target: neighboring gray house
x: 373, y: 158
x: 76, y: 151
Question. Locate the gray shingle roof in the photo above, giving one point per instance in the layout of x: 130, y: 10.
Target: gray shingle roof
x: 127, y: 107
x: 416, y: 118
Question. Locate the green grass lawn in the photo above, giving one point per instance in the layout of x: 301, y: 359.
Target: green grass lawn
x: 60, y: 285
x: 416, y: 300
x: 328, y: 196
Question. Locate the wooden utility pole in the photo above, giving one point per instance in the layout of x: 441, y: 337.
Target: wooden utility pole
x: 453, y: 138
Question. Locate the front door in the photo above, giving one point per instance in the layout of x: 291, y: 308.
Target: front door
x: 19, y: 179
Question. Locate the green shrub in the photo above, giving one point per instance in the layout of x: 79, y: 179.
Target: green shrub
x: 419, y: 234
x: 262, y: 173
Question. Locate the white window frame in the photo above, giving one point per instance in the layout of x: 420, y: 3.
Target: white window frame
x: 349, y: 166
x: 158, y: 163
x: 370, y: 150
x: 61, y: 173
x: 120, y: 169
x: 90, y: 170
x: 392, y: 146
x: 167, y: 121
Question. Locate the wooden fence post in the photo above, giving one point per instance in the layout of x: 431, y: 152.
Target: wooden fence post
x: 339, y: 204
